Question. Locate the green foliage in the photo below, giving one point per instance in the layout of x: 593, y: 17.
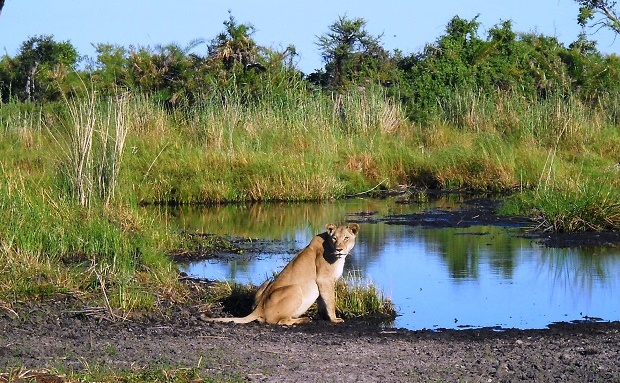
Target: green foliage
x: 352, y: 56
x: 39, y: 71
x: 235, y: 45
x: 605, y: 8
x: 180, y: 78
x: 235, y: 66
x: 528, y: 65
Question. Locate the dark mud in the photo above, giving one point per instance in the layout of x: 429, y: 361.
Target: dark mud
x: 60, y: 336
x: 64, y: 335
x: 472, y: 212
x: 483, y: 212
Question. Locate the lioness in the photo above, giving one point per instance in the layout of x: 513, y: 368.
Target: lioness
x: 311, y: 274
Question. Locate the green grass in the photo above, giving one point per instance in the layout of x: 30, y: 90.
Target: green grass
x: 356, y: 297
x: 588, y: 207
x: 50, y: 246
x: 70, y: 217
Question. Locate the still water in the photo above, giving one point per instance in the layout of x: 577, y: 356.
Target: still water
x: 481, y: 276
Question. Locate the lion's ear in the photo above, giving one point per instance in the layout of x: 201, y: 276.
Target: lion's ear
x: 330, y: 227
x: 354, y: 228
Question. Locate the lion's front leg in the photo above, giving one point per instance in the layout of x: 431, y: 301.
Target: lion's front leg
x: 327, y: 301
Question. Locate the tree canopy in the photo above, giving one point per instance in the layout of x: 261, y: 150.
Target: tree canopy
x: 599, y: 14
x: 351, y: 53
x: 232, y: 63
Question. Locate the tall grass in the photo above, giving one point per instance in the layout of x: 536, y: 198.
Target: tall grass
x: 51, y: 245
x: 307, y: 146
x: 587, y: 206
x: 278, y: 149
x: 92, y: 143
x: 73, y: 173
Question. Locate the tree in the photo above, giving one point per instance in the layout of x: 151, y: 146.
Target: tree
x: 235, y: 62
x: 41, y: 62
x: 235, y: 45
x: 350, y: 52
x: 609, y: 17
x: 529, y: 65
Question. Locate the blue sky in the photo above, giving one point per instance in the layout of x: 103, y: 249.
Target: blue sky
x: 405, y: 24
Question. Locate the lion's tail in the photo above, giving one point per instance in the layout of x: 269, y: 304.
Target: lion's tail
x: 246, y: 319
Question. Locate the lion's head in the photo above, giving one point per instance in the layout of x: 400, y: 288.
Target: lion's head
x: 341, y: 238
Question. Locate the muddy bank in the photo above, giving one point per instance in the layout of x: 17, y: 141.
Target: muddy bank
x: 483, y: 212
x: 59, y: 335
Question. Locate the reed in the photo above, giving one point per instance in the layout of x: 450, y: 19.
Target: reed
x: 93, y: 146
x: 269, y: 150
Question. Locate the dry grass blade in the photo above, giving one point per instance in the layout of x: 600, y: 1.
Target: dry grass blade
x: 28, y: 375
x: 82, y: 128
x: 7, y: 307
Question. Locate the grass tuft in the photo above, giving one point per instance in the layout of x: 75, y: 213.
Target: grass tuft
x: 357, y: 297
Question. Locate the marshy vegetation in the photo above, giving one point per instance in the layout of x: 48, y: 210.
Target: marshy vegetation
x: 82, y: 150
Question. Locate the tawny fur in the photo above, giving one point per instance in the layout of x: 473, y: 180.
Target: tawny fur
x: 309, y: 276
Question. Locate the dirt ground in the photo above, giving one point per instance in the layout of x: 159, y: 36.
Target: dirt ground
x: 63, y: 335
x: 54, y: 336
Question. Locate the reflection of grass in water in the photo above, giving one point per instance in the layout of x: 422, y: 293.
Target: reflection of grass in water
x: 273, y: 220
x: 576, y: 268
x: 464, y: 250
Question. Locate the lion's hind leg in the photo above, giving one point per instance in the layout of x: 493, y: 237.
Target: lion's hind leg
x: 282, y: 306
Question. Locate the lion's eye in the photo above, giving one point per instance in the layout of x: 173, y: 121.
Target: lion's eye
x: 346, y: 238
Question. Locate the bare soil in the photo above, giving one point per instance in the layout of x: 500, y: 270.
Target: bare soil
x: 56, y: 335
x: 64, y: 335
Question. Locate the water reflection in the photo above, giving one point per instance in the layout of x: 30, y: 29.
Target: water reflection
x: 439, y: 278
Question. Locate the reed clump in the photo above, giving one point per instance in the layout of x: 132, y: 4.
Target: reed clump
x: 587, y: 207
x: 358, y: 297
